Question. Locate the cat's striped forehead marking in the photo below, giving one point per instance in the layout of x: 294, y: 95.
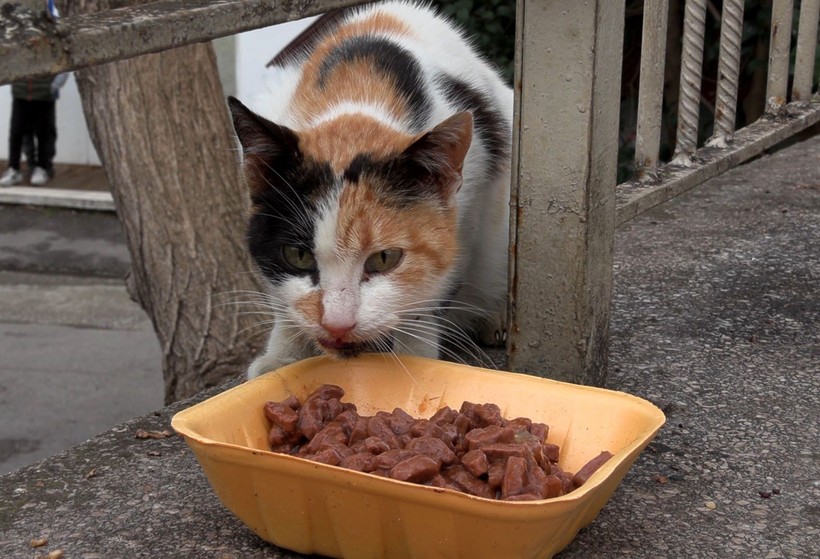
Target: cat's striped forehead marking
x: 360, y: 60
x: 340, y: 140
x: 367, y: 222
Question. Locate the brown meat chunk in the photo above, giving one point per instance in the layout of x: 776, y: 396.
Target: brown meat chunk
x: 503, y: 451
x: 327, y: 392
x: 361, y: 462
x: 519, y: 424
x: 515, y: 477
x: 374, y: 445
x: 359, y: 431
x: 347, y: 419
x: 387, y: 460
x: 540, y: 430
x: 328, y: 455
x: 426, y: 428
x: 468, y: 483
x: 444, y: 415
x: 292, y: 402
x: 481, y: 437
x: 554, y: 487
x: 475, y: 462
x: 434, y: 448
x: 566, y: 478
x: 416, y: 469
x: 379, y: 427
x: 489, y: 414
x: 551, y: 452
x: 495, y: 474
x: 583, y: 475
x: 332, y: 435
x: 400, y: 421
x: 282, y: 416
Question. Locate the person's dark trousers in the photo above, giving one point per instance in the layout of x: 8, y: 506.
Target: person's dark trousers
x: 19, y: 127
x: 45, y: 130
x: 29, y: 150
x: 38, y: 119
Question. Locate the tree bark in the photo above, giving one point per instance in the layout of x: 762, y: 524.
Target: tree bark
x: 161, y: 128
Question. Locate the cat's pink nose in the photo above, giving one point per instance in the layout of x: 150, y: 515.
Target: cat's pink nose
x: 338, y: 331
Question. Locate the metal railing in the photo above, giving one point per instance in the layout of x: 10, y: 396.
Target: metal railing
x: 691, y: 165
x: 565, y: 204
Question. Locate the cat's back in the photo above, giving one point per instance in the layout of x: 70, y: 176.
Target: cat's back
x: 392, y: 59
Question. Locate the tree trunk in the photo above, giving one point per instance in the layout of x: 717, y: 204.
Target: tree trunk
x: 161, y: 128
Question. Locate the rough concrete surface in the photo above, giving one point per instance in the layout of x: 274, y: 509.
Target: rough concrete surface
x: 62, y: 242
x: 77, y: 356
x: 715, y: 319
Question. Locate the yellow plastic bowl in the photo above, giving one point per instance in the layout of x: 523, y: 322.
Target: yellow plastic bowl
x: 315, y: 508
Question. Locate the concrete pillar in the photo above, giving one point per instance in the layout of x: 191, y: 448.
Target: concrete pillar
x: 568, y: 75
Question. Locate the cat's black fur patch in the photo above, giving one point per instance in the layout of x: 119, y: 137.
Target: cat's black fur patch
x: 489, y: 122
x: 306, y: 41
x: 390, y: 60
x: 285, y: 214
x: 362, y: 163
x: 285, y: 191
x: 398, y: 180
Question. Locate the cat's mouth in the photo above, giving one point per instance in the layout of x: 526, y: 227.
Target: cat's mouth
x: 340, y: 348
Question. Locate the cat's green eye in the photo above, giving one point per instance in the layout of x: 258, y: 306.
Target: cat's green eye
x: 299, y: 257
x: 383, y: 261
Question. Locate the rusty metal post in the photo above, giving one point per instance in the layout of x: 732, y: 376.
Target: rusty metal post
x: 779, y: 51
x: 650, y: 93
x: 731, y: 34
x: 694, y: 26
x: 568, y: 74
x: 806, y: 47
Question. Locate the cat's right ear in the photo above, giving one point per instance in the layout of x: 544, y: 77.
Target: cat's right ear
x: 266, y: 145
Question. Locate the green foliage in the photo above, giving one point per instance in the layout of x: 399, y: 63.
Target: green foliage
x: 491, y: 23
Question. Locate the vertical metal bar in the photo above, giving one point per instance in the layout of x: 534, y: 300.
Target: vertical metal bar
x: 731, y: 31
x: 779, y: 49
x: 806, y: 48
x: 694, y: 26
x: 563, y: 189
x: 650, y: 93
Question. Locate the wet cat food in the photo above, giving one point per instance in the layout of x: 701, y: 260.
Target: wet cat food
x: 474, y: 450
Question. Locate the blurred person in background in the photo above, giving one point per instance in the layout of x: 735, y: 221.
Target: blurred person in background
x: 33, y: 114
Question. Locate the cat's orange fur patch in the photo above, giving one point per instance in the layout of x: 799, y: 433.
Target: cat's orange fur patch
x: 310, y: 306
x: 339, y: 140
x: 356, y: 78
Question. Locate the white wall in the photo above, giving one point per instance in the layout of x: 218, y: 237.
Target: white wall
x: 73, y: 142
x: 254, y: 50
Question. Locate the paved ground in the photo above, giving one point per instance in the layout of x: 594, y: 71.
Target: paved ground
x: 715, y: 319
x: 77, y: 356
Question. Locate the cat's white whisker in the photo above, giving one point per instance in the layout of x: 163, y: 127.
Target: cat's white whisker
x: 455, y: 335
x: 454, y: 356
x: 386, y: 349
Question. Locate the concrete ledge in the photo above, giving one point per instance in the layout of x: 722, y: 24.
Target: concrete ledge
x: 715, y: 314
x: 57, y: 198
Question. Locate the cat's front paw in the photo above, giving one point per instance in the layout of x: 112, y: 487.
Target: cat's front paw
x: 492, y: 332
x: 266, y: 363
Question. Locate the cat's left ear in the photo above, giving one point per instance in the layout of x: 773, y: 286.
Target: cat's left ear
x: 265, y: 144
x: 439, y: 154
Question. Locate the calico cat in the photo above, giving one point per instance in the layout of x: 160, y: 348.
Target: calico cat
x: 378, y: 169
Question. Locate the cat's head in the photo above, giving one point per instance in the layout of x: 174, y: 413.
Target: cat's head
x: 353, y: 224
